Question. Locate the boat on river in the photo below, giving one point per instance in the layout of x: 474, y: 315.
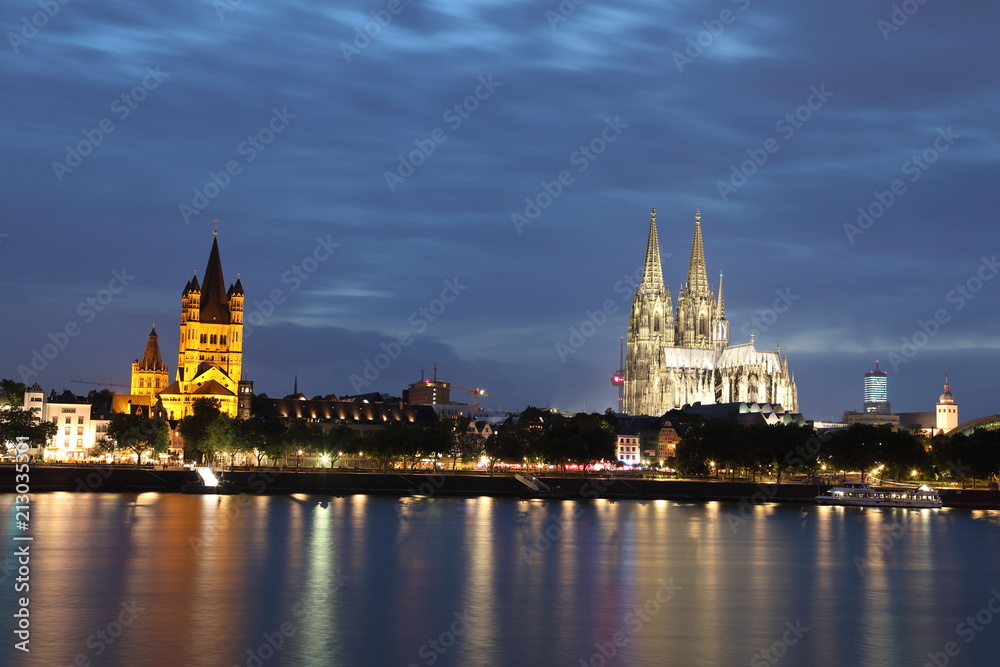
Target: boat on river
x: 866, y: 495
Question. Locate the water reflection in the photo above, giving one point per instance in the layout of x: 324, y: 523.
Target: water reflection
x: 310, y: 580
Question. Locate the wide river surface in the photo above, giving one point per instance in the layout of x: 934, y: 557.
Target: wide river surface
x: 167, y: 579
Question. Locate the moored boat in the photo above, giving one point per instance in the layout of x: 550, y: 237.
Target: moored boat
x: 866, y: 495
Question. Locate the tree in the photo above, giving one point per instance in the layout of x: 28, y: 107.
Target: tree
x: 136, y: 433
x: 20, y: 423
x: 301, y: 435
x: 194, y: 427
x: 14, y: 390
x: 510, y: 444
x: 468, y: 444
x: 263, y: 438
x: 386, y: 444
x: 228, y: 436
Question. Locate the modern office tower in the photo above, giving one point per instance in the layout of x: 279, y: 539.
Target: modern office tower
x: 877, y: 391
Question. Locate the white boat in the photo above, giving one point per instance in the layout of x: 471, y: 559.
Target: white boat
x: 863, y: 494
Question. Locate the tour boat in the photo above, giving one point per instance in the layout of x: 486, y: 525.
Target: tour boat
x: 860, y: 493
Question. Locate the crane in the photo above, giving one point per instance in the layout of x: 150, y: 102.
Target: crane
x: 109, y: 383
x: 476, y: 393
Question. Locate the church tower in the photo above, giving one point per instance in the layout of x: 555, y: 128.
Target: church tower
x: 650, y: 329
x: 210, y: 354
x: 947, y: 410
x: 696, y: 304
x: 149, y: 375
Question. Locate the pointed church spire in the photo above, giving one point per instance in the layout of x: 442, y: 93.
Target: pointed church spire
x: 720, y: 312
x: 214, y: 302
x: 652, y: 272
x: 697, y: 278
x: 151, y: 360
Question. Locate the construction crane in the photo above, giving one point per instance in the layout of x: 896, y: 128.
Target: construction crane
x: 476, y: 393
x: 618, y: 379
x: 109, y: 383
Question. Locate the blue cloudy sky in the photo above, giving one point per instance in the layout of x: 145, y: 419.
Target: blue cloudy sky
x: 360, y: 178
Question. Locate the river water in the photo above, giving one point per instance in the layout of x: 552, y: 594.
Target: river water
x: 167, y: 579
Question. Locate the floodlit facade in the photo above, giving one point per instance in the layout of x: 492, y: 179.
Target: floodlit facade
x: 77, y: 431
x: 675, y: 359
x: 947, y: 410
x: 210, y: 354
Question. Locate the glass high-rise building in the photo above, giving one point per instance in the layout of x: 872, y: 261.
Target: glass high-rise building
x: 877, y: 391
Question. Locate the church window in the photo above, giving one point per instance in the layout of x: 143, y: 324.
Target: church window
x: 214, y: 339
x: 222, y: 339
x: 656, y: 323
x: 204, y: 338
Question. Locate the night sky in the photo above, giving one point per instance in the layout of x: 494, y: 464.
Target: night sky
x: 494, y: 164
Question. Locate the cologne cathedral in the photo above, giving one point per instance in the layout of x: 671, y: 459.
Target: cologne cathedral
x: 675, y: 359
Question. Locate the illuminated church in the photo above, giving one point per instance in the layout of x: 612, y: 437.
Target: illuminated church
x: 210, y: 350
x: 680, y: 358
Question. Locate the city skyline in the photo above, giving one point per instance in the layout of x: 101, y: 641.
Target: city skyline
x: 470, y: 185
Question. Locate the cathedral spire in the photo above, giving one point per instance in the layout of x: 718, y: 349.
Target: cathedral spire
x: 652, y: 272
x: 721, y: 308
x: 697, y: 278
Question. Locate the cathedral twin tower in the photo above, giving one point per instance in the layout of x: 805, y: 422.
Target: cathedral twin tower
x: 683, y: 358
